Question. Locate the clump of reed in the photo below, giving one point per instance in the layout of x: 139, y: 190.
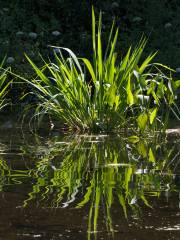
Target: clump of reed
x: 121, y: 92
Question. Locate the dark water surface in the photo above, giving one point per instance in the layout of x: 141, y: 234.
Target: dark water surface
x: 88, y: 187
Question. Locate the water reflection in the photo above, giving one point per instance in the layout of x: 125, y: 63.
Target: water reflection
x: 96, y: 172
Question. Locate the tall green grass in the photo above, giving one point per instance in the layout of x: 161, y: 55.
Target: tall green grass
x: 121, y: 92
x: 4, y: 84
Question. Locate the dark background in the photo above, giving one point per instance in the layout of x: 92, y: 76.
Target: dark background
x: 159, y: 20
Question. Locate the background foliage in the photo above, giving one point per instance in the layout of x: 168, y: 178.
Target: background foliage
x: 159, y: 20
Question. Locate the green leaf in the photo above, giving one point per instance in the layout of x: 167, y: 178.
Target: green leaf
x: 90, y: 68
x: 151, y: 156
x: 177, y: 83
x: 128, y: 175
x: 133, y: 139
x: 146, y: 62
x: 94, y: 32
x: 99, y: 50
x: 123, y: 204
x: 130, y: 98
x: 164, y: 66
x: 142, y: 121
x: 142, y: 149
x: 97, y: 202
x: 160, y: 90
x: 145, y: 201
x: 39, y: 72
x: 111, y: 95
x: 86, y: 196
x: 153, y: 115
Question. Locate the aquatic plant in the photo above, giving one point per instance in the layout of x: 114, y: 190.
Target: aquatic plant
x: 107, y: 94
x: 4, y: 84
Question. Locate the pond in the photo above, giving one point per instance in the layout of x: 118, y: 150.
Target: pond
x: 57, y: 186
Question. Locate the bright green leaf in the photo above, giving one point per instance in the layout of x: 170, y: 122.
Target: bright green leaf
x: 153, y: 115
x: 133, y: 139
x: 130, y: 98
x: 151, y: 156
x: 142, y: 121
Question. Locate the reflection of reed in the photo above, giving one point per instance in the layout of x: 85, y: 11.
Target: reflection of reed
x: 96, y: 171
x: 9, y: 176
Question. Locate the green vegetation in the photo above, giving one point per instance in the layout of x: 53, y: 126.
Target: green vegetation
x: 4, y: 84
x: 110, y: 93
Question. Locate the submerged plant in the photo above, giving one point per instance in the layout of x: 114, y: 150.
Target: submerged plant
x: 107, y: 94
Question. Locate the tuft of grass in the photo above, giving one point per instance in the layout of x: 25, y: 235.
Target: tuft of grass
x: 108, y: 93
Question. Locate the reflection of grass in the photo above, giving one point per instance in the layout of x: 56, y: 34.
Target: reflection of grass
x: 103, y: 170
x: 97, y: 171
x: 9, y: 176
